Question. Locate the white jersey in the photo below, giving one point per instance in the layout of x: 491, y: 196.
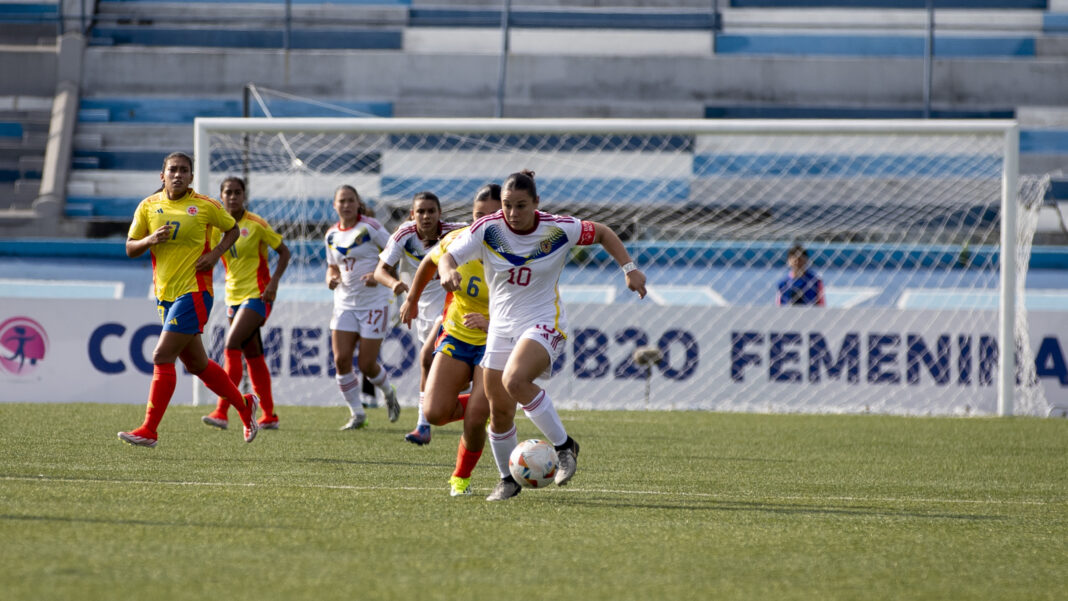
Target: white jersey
x: 406, y: 245
x: 355, y: 252
x: 523, y: 269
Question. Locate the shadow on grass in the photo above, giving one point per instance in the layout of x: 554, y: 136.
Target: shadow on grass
x: 119, y: 522
x: 775, y: 508
x: 370, y: 462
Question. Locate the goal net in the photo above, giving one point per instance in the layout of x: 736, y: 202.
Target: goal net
x: 903, y: 221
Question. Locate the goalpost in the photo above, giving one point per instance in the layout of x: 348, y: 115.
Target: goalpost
x: 907, y: 221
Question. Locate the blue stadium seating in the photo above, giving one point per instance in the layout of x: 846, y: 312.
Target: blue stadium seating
x: 1055, y: 23
x: 818, y: 112
x: 873, y: 45
x: 561, y: 19
x: 300, y: 38
x: 17, y: 12
x: 133, y: 109
x: 10, y: 129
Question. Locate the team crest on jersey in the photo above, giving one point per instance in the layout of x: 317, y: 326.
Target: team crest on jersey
x: 191, y: 210
x: 553, y: 239
x: 362, y: 235
x: 244, y: 232
x: 415, y: 247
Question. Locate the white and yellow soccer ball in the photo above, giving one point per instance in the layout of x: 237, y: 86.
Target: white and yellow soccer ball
x: 533, y: 463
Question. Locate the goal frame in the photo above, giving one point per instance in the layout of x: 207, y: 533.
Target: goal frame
x: 1007, y: 128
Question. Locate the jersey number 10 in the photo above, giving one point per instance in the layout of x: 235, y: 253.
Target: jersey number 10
x: 519, y: 277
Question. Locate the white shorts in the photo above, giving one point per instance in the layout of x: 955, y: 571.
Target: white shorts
x: 499, y: 346
x: 368, y: 323
x: 424, y: 328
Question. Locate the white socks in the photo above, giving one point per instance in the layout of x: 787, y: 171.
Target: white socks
x: 422, y: 416
x: 502, y: 445
x: 381, y: 381
x: 350, y: 390
x: 540, y: 410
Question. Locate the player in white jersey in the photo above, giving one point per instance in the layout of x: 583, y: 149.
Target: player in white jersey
x: 524, y: 251
x: 361, y: 306
x: 412, y: 241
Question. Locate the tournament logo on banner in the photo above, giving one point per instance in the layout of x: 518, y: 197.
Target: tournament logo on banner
x: 23, y: 345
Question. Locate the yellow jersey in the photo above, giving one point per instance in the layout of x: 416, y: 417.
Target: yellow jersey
x: 247, y: 268
x: 192, y: 219
x: 471, y: 297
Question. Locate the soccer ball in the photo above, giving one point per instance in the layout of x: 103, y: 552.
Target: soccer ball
x: 533, y: 463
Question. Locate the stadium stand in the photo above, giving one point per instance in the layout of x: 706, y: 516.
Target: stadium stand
x: 440, y: 58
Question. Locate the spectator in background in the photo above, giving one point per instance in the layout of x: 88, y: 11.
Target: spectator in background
x: 802, y: 286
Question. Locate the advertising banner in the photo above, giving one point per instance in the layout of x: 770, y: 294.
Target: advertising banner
x: 760, y: 359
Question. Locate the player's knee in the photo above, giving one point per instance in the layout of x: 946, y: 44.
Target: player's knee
x: 514, y: 384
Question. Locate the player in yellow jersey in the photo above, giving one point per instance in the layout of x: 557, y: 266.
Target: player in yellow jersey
x: 250, y: 292
x: 176, y: 225
x: 459, y: 349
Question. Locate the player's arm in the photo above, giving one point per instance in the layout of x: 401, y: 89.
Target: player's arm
x: 271, y: 290
x: 207, y: 261
x: 333, y: 276
x: 423, y: 274
x: 387, y: 276
x: 136, y: 248
x: 611, y: 243
x: 449, y: 274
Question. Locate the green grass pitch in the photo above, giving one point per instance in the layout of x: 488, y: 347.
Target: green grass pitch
x: 665, y: 505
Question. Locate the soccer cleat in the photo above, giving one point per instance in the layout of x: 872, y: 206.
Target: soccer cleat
x: 505, y: 489
x: 460, y: 487
x: 136, y: 440
x: 392, y: 406
x: 568, y: 460
x: 369, y: 401
x: 253, y: 428
x: 269, y: 422
x: 355, y: 422
x: 213, y: 419
x: 420, y: 435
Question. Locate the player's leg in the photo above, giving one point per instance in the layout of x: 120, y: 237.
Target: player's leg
x: 502, y: 432
x: 432, y: 329
x: 250, y: 318
x: 219, y: 417
x: 164, y: 379
x: 372, y: 330
x: 215, y: 378
x: 473, y: 440
x: 448, y: 378
x: 367, y: 360
x: 533, y: 357
x: 343, y: 343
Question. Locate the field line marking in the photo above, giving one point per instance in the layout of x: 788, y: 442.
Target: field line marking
x: 723, y: 497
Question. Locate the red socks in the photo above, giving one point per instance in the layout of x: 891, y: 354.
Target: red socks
x: 232, y: 367
x: 260, y: 376
x: 218, y: 382
x: 159, y: 396
x: 465, y: 461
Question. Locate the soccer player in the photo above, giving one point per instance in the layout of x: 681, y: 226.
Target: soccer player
x: 523, y: 251
x: 250, y: 292
x: 459, y: 349
x: 361, y: 306
x: 412, y: 241
x: 801, y: 286
x: 175, y: 225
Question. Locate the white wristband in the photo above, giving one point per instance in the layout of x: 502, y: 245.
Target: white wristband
x: 629, y: 267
